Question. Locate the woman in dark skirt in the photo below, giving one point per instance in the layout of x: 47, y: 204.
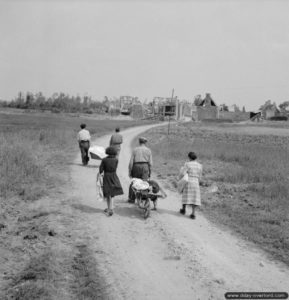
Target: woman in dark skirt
x: 111, y: 183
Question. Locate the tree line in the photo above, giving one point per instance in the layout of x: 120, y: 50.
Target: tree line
x: 58, y: 102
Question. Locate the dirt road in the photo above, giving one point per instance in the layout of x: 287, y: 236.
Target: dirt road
x: 167, y: 256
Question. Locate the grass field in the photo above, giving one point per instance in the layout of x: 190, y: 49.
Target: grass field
x: 34, y: 148
x: 38, y: 257
x: 251, y: 171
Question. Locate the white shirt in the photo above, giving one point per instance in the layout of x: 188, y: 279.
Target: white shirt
x: 83, y: 135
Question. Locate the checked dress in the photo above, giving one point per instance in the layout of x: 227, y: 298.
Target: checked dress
x: 191, y: 193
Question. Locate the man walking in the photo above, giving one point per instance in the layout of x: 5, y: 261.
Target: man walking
x: 83, y: 138
x: 116, y: 141
x: 140, y: 164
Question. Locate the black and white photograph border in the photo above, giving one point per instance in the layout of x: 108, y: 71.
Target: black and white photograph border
x: 144, y: 149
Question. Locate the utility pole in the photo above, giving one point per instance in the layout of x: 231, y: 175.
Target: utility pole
x: 169, y: 125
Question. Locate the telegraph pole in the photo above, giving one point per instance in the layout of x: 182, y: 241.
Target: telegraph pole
x: 169, y: 125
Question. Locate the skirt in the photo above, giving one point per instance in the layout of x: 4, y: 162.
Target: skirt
x: 191, y: 192
x: 111, y: 185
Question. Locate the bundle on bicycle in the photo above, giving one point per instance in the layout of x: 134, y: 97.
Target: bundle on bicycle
x: 146, y: 191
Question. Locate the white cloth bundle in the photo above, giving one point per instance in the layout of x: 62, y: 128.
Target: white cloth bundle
x: 97, y: 152
x: 139, y: 184
x: 183, y: 181
x: 99, y: 186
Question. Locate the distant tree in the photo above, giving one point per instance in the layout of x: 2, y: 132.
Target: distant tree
x: 265, y: 105
x: 40, y: 100
x: 3, y: 103
x: 243, y: 109
x: 284, y: 105
x: 58, y: 102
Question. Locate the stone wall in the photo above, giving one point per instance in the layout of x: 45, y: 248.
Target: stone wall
x: 235, y: 116
x: 207, y: 112
x: 137, y: 111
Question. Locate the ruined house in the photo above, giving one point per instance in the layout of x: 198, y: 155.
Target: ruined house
x: 269, y: 110
x: 186, y: 108
x: 233, y: 113
x: 164, y: 106
x: 206, y: 110
x: 126, y: 103
x: 137, y: 111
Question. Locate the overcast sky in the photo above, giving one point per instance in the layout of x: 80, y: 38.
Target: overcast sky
x: 236, y: 50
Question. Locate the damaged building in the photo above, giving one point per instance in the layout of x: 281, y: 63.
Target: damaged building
x: 207, y: 109
x: 170, y: 107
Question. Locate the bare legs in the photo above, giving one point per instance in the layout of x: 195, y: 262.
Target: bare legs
x: 109, y: 209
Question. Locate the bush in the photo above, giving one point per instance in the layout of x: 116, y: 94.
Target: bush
x: 55, y: 110
x: 279, y: 118
x: 217, y: 120
x: 88, y: 111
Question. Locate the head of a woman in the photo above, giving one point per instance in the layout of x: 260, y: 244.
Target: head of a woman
x: 192, y: 156
x: 111, y: 151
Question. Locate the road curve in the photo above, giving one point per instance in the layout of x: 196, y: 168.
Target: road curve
x: 167, y: 256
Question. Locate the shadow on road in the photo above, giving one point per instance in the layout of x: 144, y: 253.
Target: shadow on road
x: 87, y: 209
x: 129, y: 211
x: 81, y: 165
x: 169, y: 212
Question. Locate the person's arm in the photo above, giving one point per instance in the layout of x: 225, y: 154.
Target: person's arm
x: 78, y: 137
x: 101, y: 169
x: 110, y: 142
x: 150, y: 162
x: 151, y: 159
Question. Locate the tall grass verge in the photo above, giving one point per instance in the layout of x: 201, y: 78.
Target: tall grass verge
x: 25, y: 158
x: 35, y: 156
x: 252, y: 173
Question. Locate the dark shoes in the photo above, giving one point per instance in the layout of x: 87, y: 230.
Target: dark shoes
x: 182, y: 211
x: 108, y: 212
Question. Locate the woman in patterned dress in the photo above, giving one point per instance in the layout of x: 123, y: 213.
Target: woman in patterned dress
x: 191, y: 192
